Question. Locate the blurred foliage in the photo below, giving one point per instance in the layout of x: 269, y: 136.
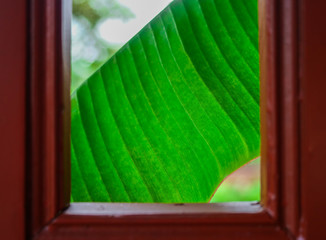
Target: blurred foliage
x: 242, y: 185
x: 231, y: 192
x: 89, y: 50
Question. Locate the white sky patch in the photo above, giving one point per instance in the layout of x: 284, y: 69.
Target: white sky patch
x: 117, y: 31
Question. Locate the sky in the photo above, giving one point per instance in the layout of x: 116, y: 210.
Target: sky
x: 117, y: 31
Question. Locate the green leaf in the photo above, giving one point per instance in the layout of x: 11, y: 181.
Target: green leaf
x: 176, y: 110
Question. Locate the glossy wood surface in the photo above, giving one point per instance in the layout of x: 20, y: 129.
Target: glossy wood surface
x: 280, y: 110
x: 34, y: 124
x: 48, y: 141
x: 271, y: 220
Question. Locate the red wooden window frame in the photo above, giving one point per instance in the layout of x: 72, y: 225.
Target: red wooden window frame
x: 34, y: 126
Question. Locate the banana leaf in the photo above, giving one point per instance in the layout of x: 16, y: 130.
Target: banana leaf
x: 174, y: 111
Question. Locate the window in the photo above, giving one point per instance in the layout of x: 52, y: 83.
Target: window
x: 293, y: 199
x: 166, y: 105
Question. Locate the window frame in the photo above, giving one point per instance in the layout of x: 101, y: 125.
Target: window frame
x: 293, y: 148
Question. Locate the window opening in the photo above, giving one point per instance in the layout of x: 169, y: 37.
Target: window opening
x: 99, y: 29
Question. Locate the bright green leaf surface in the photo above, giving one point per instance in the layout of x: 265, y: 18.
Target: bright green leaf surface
x: 174, y: 111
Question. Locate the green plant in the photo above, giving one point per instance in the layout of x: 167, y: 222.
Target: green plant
x: 174, y: 111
